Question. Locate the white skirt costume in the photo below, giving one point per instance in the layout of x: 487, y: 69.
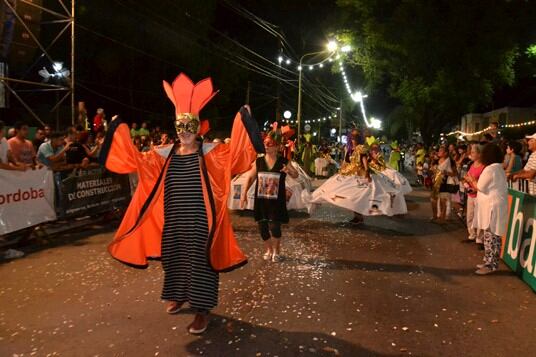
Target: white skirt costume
x: 294, y: 186
x: 383, y: 194
x: 403, y: 185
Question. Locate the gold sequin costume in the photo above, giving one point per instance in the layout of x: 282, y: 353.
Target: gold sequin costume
x: 355, y: 166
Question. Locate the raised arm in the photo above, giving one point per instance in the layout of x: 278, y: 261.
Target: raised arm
x: 118, y: 153
x: 246, y: 141
x: 250, y: 175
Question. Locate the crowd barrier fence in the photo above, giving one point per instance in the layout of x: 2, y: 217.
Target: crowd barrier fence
x: 519, y: 244
x: 34, y: 197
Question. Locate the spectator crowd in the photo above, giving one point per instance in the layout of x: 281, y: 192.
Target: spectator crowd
x: 471, y: 179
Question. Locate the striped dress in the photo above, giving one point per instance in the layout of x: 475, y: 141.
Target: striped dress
x: 187, y: 274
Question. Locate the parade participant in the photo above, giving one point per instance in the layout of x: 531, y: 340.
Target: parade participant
x: 270, y: 171
x: 420, y: 154
x: 179, y: 209
x: 294, y: 186
x: 378, y: 166
x: 289, y: 145
x: 308, y: 152
x: 360, y: 186
x: 394, y: 157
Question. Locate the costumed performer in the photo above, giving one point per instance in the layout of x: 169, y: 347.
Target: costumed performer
x: 359, y: 186
x: 308, y: 152
x: 270, y: 171
x: 178, y: 211
x: 377, y: 165
x: 394, y: 157
x: 289, y: 144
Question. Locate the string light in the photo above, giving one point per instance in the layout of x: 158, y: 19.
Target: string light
x: 458, y: 132
x: 518, y: 125
x: 357, y: 96
x: 504, y: 126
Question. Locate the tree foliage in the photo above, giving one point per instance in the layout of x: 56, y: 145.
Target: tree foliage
x: 439, y: 58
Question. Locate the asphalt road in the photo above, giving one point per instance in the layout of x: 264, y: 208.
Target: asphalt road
x: 397, y: 286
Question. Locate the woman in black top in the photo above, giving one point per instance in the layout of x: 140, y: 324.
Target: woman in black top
x: 270, y: 171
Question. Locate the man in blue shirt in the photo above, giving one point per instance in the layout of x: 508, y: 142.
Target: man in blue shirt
x: 53, y: 151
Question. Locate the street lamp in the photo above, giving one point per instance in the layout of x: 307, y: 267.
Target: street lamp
x: 287, y: 114
x: 331, y: 47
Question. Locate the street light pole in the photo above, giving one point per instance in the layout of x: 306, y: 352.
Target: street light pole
x: 300, y: 69
x: 340, y: 121
x: 73, y: 43
x: 298, y: 115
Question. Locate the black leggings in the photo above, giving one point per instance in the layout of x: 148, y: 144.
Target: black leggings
x: 266, y: 227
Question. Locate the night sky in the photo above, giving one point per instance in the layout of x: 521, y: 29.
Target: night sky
x: 125, y: 48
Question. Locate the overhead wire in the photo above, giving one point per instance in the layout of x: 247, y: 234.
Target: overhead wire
x: 256, y: 67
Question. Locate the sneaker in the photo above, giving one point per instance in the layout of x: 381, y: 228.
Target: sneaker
x: 174, y: 307
x: 480, y: 266
x: 276, y: 258
x: 199, y: 325
x: 484, y: 271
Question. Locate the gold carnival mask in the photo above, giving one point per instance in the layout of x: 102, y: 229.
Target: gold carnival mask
x: 191, y: 126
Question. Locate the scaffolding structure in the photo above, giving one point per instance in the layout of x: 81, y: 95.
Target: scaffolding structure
x: 65, y: 19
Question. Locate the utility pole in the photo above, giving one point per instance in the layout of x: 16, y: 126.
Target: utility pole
x: 278, y: 101
x: 73, y: 111
x: 247, y: 93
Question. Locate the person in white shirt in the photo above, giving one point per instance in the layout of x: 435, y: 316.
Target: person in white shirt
x: 6, y: 160
x: 491, y: 208
x: 529, y: 171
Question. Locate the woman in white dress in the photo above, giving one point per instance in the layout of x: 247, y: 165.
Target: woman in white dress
x: 360, y: 186
x: 491, y: 208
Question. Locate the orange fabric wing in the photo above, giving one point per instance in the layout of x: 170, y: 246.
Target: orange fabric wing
x: 224, y: 161
x: 130, y: 245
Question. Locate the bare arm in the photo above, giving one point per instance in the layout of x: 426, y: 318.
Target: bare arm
x: 524, y: 174
x: 290, y: 170
x: 249, y: 181
x: 60, y: 155
x: 11, y: 164
x: 510, y: 165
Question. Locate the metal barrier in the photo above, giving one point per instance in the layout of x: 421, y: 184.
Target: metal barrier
x: 521, y: 185
x: 93, y: 193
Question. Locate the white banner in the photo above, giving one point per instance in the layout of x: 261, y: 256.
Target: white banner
x: 26, y: 199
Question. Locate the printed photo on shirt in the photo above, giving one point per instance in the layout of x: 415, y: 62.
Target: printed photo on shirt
x: 268, y: 185
x: 237, y: 192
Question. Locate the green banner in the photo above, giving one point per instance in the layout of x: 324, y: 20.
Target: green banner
x: 520, y: 244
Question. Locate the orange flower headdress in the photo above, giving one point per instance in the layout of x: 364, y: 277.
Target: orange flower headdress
x: 188, y: 99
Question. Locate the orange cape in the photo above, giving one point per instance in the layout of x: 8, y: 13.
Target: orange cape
x: 140, y: 233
